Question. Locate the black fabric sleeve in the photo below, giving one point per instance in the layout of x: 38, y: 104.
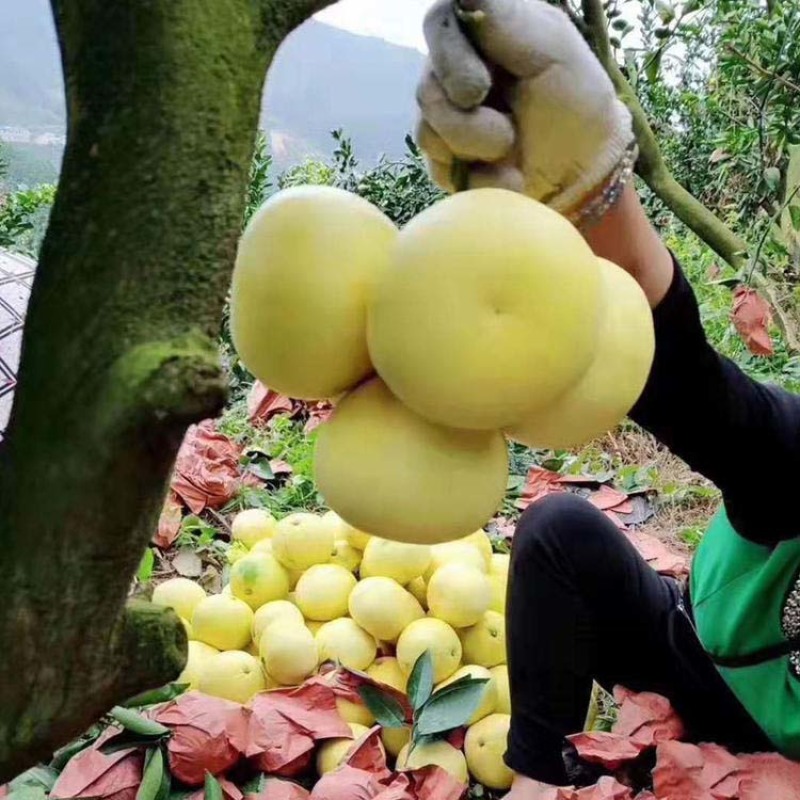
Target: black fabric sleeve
x: 741, y: 434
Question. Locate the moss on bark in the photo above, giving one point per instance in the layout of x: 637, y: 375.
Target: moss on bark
x: 119, y: 353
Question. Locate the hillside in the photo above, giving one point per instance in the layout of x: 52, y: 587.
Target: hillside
x: 322, y: 78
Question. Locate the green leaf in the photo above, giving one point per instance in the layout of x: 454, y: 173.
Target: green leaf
x: 653, y: 65
x: 153, y: 776
x: 212, y: 790
x: 27, y: 792
x: 386, y: 710
x: 35, y: 776
x: 161, y: 695
x: 772, y: 177
x: 420, y: 682
x: 794, y: 215
x: 451, y: 707
x: 136, y: 723
x: 145, y: 571
x: 125, y: 740
x: 65, y: 753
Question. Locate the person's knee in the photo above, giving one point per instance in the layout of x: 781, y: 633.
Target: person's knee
x: 556, y: 523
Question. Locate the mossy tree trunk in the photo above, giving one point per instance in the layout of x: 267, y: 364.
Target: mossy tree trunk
x: 119, y: 354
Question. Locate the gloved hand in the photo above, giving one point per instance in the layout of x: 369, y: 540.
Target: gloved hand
x: 561, y: 136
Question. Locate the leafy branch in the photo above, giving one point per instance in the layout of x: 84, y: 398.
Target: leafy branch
x: 433, y: 713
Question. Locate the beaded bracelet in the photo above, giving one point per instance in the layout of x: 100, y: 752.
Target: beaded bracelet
x: 602, y: 203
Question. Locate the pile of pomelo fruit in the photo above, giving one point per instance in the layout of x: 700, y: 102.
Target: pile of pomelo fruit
x: 310, y: 589
x: 487, y: 315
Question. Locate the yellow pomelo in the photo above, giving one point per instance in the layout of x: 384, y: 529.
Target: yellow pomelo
x: 274, y: 611
x: 323, y: 590
x: 180, y: 594
x: 484, y: 747
x: 354, y: 713
x: 263, y: 546
x: 342, y: 640
x: 500, y: 675
x: 489, y: 700
x: 356, y: 538
x: 345, y: 555
x: 397, y: 560
x: 198, y: 656
x: 498, y: 575
x: 302, y: 540
x: 333, y: 752
x: 387, y: 670
x: 499, y: 564
x: 259, y: 578
x: 480, y: 539
x: 459, y: 594
x: 613, y: 381
x: 383, y: 608
x: 223, y: 622
x: 437, y: 637
x: 288, y: 652
x: 439, y: 753
x: 386, y: 470
x: 489, y: 310
x: 305, y: 269
x: 419, y: 588
x: 251, y: 526
x: 187, y: 626
x: 236, y: 552
x: 485, y: 642
x: 234, y: 675
x: 342, y: 530
x: 460, y: 552
x: 395, y: 739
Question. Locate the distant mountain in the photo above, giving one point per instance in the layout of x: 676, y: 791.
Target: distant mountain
x: 322, y: 78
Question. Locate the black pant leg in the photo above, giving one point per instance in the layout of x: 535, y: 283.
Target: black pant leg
x: 584, y: 605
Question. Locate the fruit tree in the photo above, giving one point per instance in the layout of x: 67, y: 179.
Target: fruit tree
x: 120, y: 348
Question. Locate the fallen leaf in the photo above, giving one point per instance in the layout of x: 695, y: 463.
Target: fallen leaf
x: 539, y: 483
x: 769, y: 776
x: 263, y: 403
x: 616, y: 520
x: 645, y: 795
x: 229, y: 791
x: 713, y: 272
x: 187, y: 563
x: 647, y: 718
x: 345, y: 684
x: 279, y: 467
x: 169, y: 523
x: 368, y: 754
x: 611, y: 750
x: 500, y: 526
x: 694, y: 772
x: 436, y: 783
x: 752, y: 317
x: 719, y: 155
x: 347, y: 783
x: 607, y: 498
x: 658, y: 555
x: 209, y: 734
x: 206, y: 471
x: 285, y: 725
x: 94, y: 775
x: 607, y: 788
x: 276, y: 789
x: 317, y: 414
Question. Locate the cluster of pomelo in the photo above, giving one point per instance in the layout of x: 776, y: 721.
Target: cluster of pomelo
x: 486, y: 315
x: 309, y: 589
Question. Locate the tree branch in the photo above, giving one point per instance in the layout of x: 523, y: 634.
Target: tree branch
x: 765, y: 73
x: 651, y: 167
x: 119, y: 352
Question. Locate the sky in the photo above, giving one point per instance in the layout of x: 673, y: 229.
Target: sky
x: 399, y: 21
